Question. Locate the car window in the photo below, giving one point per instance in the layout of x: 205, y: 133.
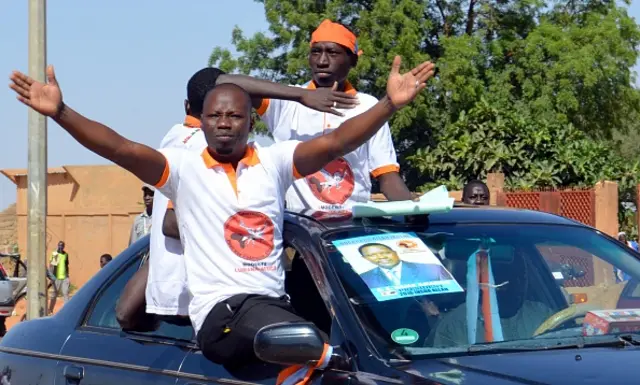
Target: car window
x: 636, y: 292
x: 103, y: 314
x: 427, y: 292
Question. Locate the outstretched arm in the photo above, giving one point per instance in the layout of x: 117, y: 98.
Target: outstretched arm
x: 322, y: 99
x: 312, y: 155
x: 143, y: 161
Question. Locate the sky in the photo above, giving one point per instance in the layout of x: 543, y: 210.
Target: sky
x: 122, y: 63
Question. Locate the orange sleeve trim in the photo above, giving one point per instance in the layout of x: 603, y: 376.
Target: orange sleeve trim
x: 170, y: 205
x: 165, y: 175
x: 296, y: 173
x: 385, y: 170
x: 263, y: 107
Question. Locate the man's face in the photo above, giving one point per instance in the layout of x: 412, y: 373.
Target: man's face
x: 60, y: 246
x: 329, y: 62
x: 226, y: 123
x: 479, y: 196
x: 381, y: 256
x: 623, y: 238
x: 103, y: 262
x: 147, y: 196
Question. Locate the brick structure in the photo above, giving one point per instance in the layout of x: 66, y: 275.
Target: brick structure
x: 596, y: 207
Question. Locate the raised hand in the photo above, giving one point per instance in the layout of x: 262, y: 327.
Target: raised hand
x: 403, y: 88
x: 44, y: 98
x: 328, y: 99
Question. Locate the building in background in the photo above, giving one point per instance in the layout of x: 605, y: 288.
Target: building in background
x: 91, y: 208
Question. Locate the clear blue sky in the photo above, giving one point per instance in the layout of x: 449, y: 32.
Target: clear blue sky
x: 123, y: 63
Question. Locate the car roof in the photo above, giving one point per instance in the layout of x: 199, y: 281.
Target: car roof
x: 459, y: 214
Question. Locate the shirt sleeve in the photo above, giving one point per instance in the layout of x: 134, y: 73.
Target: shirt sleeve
x: 282, y: 155
x: 382, y: 153
x: 168, y: 184
x: 270, y: 111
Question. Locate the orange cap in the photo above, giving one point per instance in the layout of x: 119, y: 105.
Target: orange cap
x: 335, y: 33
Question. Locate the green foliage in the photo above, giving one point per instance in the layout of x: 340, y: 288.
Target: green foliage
x: 540, y: 91
x: 530, y: 152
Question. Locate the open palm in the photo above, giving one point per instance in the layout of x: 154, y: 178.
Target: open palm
x: 403, y: 88
x: 44, y: 98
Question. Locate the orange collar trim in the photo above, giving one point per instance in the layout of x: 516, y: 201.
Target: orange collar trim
x: 191, y: 122
x: 250, y: 158
x: 348, y: 87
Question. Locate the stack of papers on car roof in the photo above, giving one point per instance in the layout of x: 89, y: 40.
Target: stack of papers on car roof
x: 434, y: 201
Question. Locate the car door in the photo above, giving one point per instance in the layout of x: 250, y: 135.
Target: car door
x: 16, y: 272
x: 197, y: 370
x: 98, y: 352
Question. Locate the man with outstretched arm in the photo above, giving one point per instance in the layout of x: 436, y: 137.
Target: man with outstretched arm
x: 159, y: 286
x: 231, y: 230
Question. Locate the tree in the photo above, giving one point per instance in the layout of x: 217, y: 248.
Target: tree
x: 519, y: 81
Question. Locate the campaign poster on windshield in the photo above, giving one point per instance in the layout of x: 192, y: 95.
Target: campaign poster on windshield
x: 397, y: 265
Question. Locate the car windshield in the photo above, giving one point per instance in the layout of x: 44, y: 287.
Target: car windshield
x: 456, y: 288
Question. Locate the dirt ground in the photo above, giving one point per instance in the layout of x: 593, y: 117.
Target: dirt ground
x: 21, y: 309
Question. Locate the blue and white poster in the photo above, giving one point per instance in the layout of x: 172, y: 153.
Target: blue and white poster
x: 397, y: 265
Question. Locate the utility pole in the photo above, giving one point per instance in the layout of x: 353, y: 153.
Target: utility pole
x: 37, y: 170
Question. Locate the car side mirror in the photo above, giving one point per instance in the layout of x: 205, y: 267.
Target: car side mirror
x: 289, y: 343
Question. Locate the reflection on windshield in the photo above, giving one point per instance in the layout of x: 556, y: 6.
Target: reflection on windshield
x: 452, y: 287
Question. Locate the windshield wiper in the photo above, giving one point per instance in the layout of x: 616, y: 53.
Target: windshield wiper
x: 612, y: 341
x: 630, y: 339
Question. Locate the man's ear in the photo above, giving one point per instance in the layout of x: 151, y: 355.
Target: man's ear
x: 187, y: 108
x: 354, y: 60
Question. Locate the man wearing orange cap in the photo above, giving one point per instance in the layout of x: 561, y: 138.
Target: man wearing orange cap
x: 346, y: 180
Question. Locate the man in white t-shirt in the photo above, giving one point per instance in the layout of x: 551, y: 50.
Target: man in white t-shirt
x: 346, y: 180
x: 160, y: 285
x: 231, y: 231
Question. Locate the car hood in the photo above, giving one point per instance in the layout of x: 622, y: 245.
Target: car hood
x: 584, y: 366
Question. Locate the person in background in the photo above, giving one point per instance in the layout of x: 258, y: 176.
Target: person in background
x: 347, y: 179
x: 59, y: 268
x: 476, y: 193
x: 104, y: 259
x: 621, y: 276
x: 142, y: 223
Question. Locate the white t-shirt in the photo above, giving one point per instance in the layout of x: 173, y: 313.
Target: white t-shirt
x: 166, y: 292
x: 344, y: 181
x: 230, y: 221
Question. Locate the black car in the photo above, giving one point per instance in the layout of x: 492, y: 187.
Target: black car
x: 412, y: 332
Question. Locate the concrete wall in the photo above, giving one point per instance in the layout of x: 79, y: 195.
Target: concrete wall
x: 91, y: 208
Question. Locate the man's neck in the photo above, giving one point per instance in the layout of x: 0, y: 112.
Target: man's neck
x: 341, y: 85
x: 233, y: 161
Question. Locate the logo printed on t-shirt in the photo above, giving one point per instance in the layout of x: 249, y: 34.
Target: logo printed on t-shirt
x: 334, y: 183
x: 249, y: 234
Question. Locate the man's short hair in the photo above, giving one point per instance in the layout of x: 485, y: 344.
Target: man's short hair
x: 235, y: 87
x: 373, y: 244
x: 199, y: 85
x: 469, y: 186
x: 106, y: 257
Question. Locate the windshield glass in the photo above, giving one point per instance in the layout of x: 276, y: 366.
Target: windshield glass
x: 451, y: 288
